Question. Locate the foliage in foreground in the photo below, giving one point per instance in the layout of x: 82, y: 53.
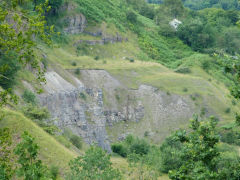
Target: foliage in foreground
x: 200, y: 156
x: 95, y: 164
x: 19, y: 29
x: 184, y: 155
x: 30, y: 167
x: 6, y: 171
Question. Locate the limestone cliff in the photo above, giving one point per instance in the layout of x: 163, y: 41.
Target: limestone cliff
x: 99, y: 102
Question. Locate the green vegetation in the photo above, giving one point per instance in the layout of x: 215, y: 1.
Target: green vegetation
x: 76, y: 141
x: 30, y: 166
x: 6, y: 167
x: 201, y: 4
x: 18, y: 42
x: 95, y: 164
x: 51, y: 152
x: 29, y: 97
x: 183, y: 155
x: 202, y: 55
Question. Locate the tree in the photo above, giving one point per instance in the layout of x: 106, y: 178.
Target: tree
x: 31, y: 168
x: 54, y: 4
x: 18, y: 32
x: 200, y: 155
x: 131, y: 17
x: 197, y: 34
x: 175, y: 7
x: 94, y: 165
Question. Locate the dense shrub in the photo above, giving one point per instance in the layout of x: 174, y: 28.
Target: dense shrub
x: 54, y: 4
x: 96, y: 58
x: 29, y: 97
x: 147, y: 11
x: 9, y: 66
x: 40, y: 115
x: 140, y: 147
x: 76, y: 141
x: 94, y: 165
x: 132, y: 17
x: 237, y: 119
x: 197, y: 34
x: 131, y: 145
x: 74, y: 63
x: 35, y: 112
x: 77, y: 71
x: 227, y: 110
x: 170, y: 152
x: 120, y: 149
x: 82, y: 96
x: 230, y: 136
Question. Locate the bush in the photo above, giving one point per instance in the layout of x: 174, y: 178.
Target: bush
x: 74, y: 63
x: 77, y: 71
x: 234, y: 102
x: 129, y: 140
x: 35, y: 112
x: 185, y: 89
x: 82, y: 96
x: 104, y: 62
x: 146, y: 134
x: 29, y: 97
x: 9, y: 66
x: 203, y: 111
x: 205, y: 65
x: 170, y: 154
x: 131, y: 60
x: 131, y: 17
x: 76, y: 141
x: 50, y: 129
x: 140, y: 147
x: 120, y: 149
x: 230, y: 137
x: 193, y: 97
x: 237, y: 119
x: 97, y: 58
x: 38, y: 115
x: 228, y: 110
x: 94, y: 165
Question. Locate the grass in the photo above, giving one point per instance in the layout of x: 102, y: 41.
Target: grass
x: 51, y: 151
x: 214, y: 95
x: 129, y: 172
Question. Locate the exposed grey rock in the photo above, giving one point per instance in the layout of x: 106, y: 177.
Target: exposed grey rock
x: 75, y: 24
x: 95, y: 34
x: 88, y: 117
x: 105, y: 39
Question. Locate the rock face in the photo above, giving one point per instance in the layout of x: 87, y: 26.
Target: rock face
x: 104, y: 40
x: 75, y: 24
x: 99, y: 101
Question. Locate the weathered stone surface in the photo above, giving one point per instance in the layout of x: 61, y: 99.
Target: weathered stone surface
x: 105, y: 39
x: 75, y: 24
x: 88, y: 117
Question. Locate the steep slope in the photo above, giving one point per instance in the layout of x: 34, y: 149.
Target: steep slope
x: 51, y: 151
x: 113, y: 99
x: 103, y: 84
